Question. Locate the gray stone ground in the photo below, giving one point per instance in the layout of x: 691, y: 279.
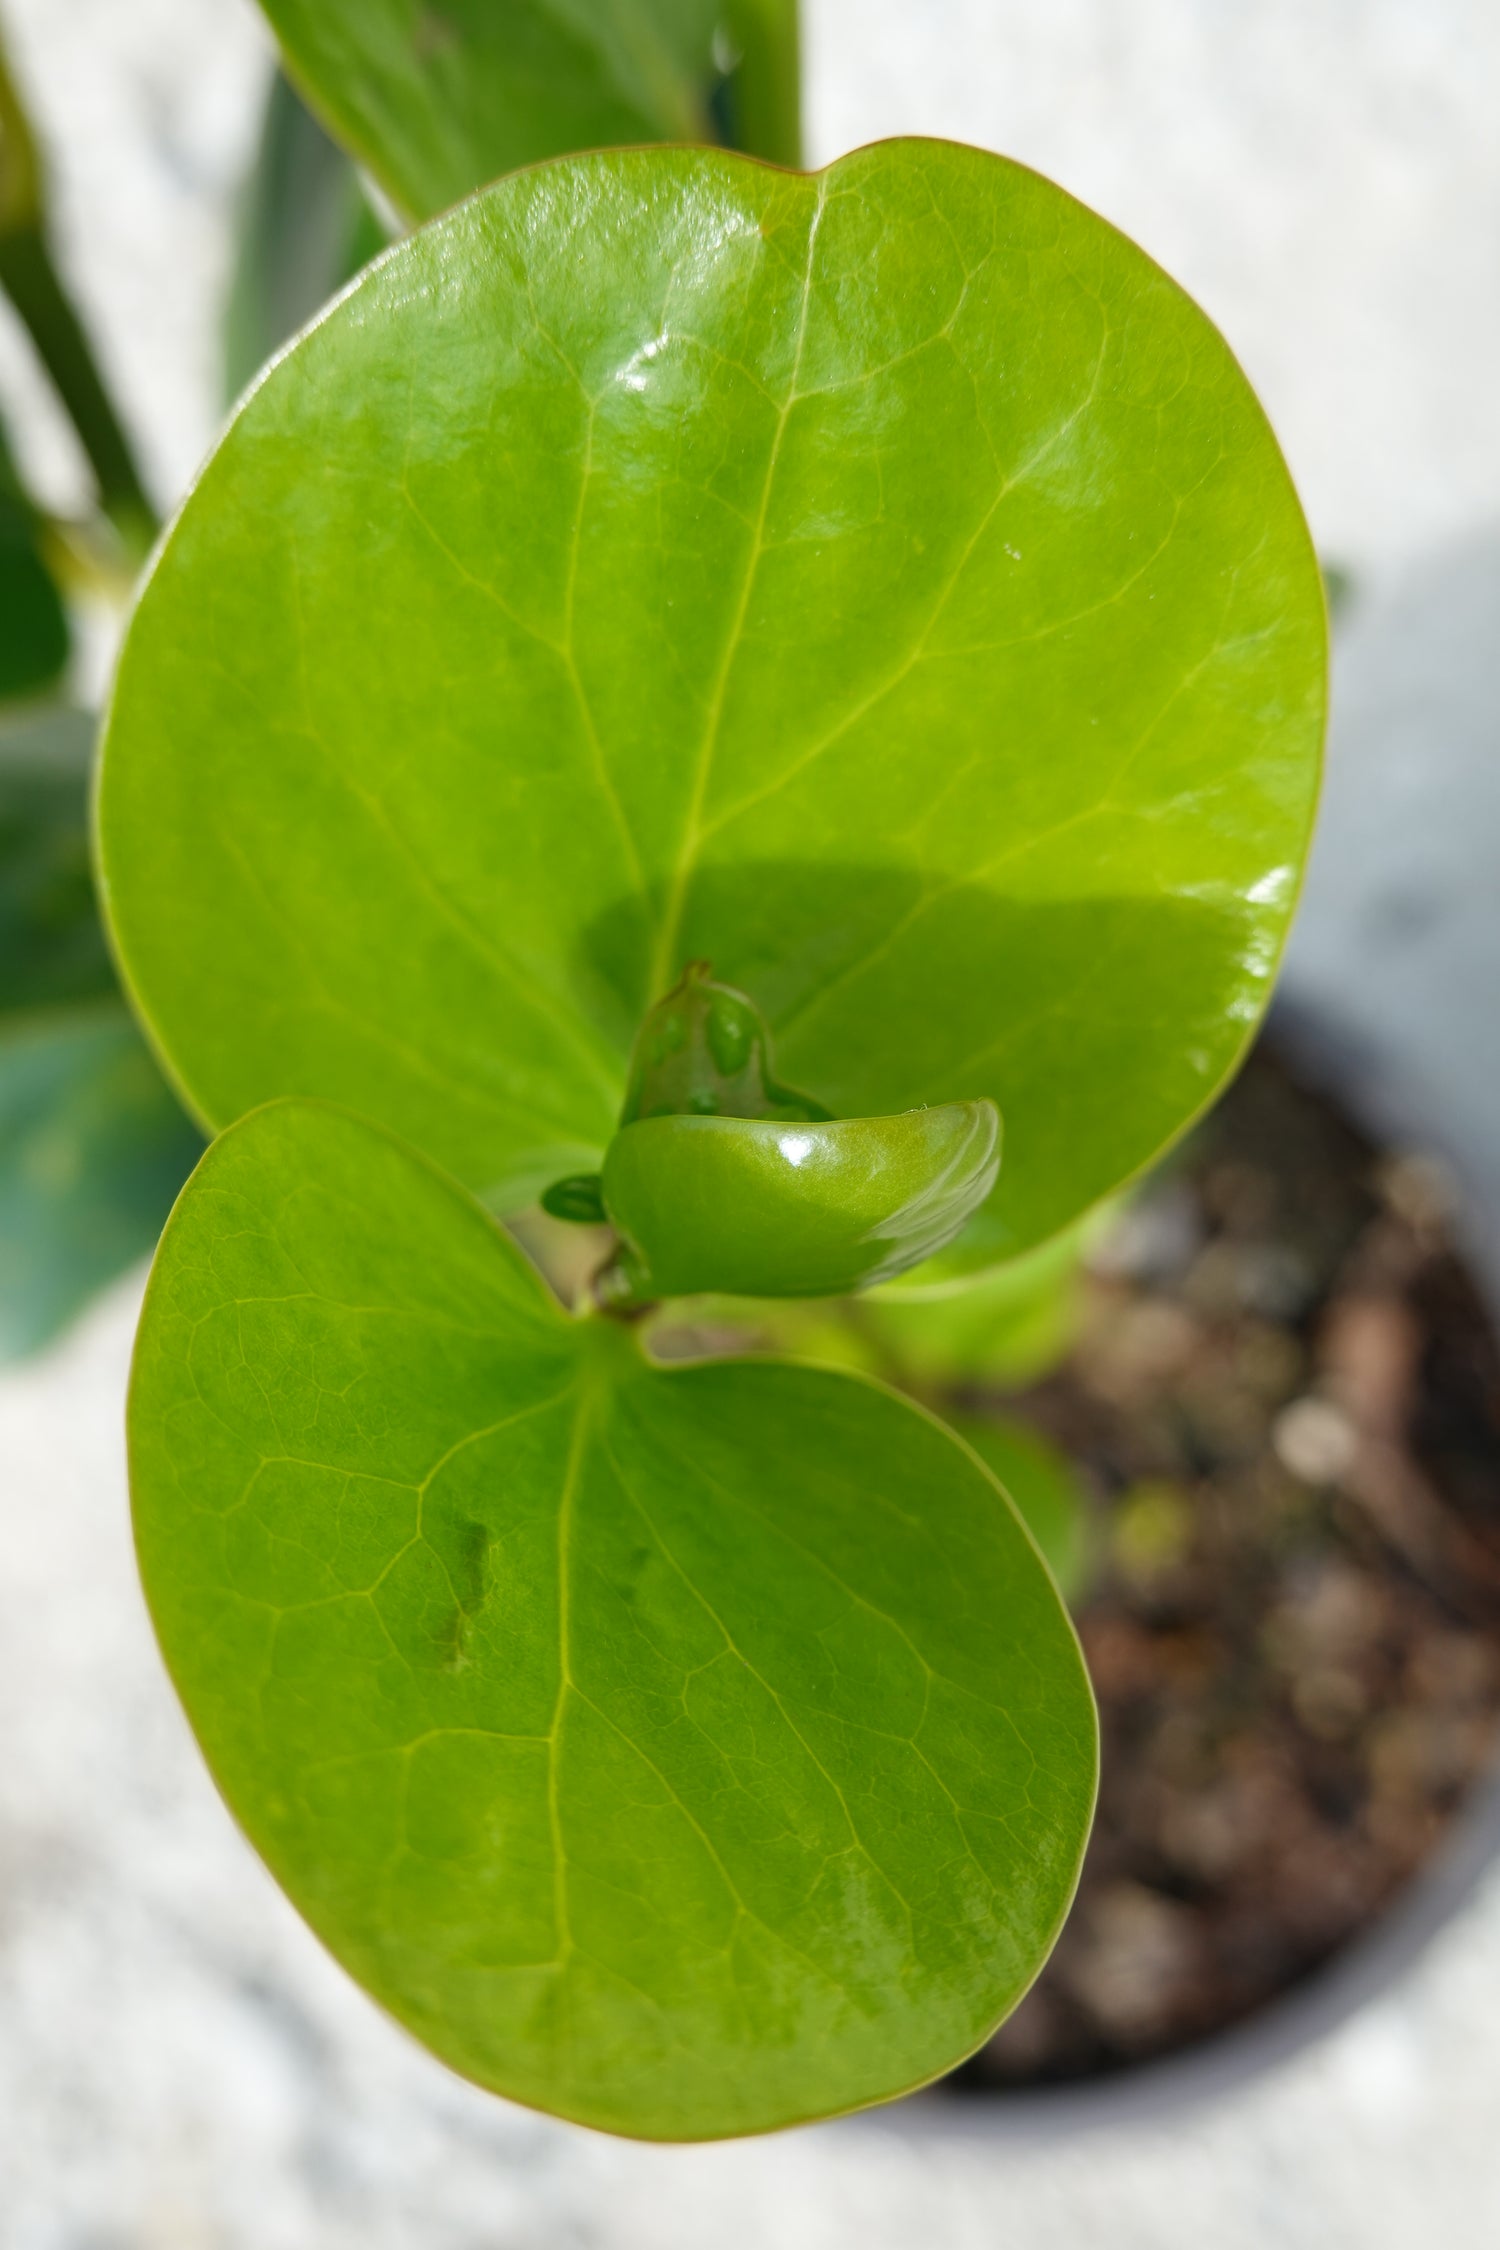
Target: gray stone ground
x: 180, y: 2066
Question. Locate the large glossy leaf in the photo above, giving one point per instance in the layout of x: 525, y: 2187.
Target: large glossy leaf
x: 883, y: 585
x: 439, y: 100
x: 687, y: 1752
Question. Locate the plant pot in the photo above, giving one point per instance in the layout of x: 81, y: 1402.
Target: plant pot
x: 1351, y: 1076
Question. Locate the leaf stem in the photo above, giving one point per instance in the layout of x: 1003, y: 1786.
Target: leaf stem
x: 35, y: 288
x: 612, y: 1290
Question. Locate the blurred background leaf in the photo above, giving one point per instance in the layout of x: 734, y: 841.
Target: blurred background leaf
x: 34, y: 639
x: 93, y: 1148
x: 1044, y: 1487
x: 93, y: 1144
x: 439, y: 102
x: 306, y: 227
x: 35, y: 287
x: 52, y: 947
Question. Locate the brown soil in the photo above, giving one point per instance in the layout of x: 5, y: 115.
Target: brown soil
x: 1286, y: 1400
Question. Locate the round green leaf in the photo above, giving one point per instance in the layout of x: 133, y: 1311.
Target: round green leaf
x: 883, y: 585
x: 687, y: 1752
x: 754, y: 1208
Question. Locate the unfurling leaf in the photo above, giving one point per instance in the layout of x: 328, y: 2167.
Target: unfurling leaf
x: 746, y: 1207
x: 705, y: 1051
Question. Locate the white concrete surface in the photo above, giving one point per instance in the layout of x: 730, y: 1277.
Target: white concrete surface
x: 180, y: 2066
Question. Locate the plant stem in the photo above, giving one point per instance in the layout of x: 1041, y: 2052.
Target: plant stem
x: 612, y: 1290
x: 32, y: 282
x: 765, y: 90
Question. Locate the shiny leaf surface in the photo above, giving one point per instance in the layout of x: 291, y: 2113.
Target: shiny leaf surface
x: 883, y: 585
x: 756, y: 1208
x: 577, y: 1704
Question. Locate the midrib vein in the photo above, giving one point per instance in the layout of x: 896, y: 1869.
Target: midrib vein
x: 571, y: 1474
x: 671, y: 921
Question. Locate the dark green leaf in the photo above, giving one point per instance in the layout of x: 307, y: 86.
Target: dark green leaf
x: 52, y: 948
x: 579, y: 1199
x: 438, y: 99
x: 33, y: 623
x: 306, y: 228
x: 882, y: 585
x: 92, y: 1145
x: 685, y: 1752
x: 93, y: 1148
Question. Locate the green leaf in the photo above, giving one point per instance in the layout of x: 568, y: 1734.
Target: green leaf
x: 305, y: 228
x: 439, y: 99
x: 52, y: 948
x: 1010, y: 1325
x: 33, y: 623
x: 721, y: 1179
x: 757, y: 104
x: 757, y: 1208
x: 579, y: 1199
x: 687, y: 1752
x: 93, y: 1148
x: 92, y: 1145
x: 1045, y: 1489
x: 883, y: 585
